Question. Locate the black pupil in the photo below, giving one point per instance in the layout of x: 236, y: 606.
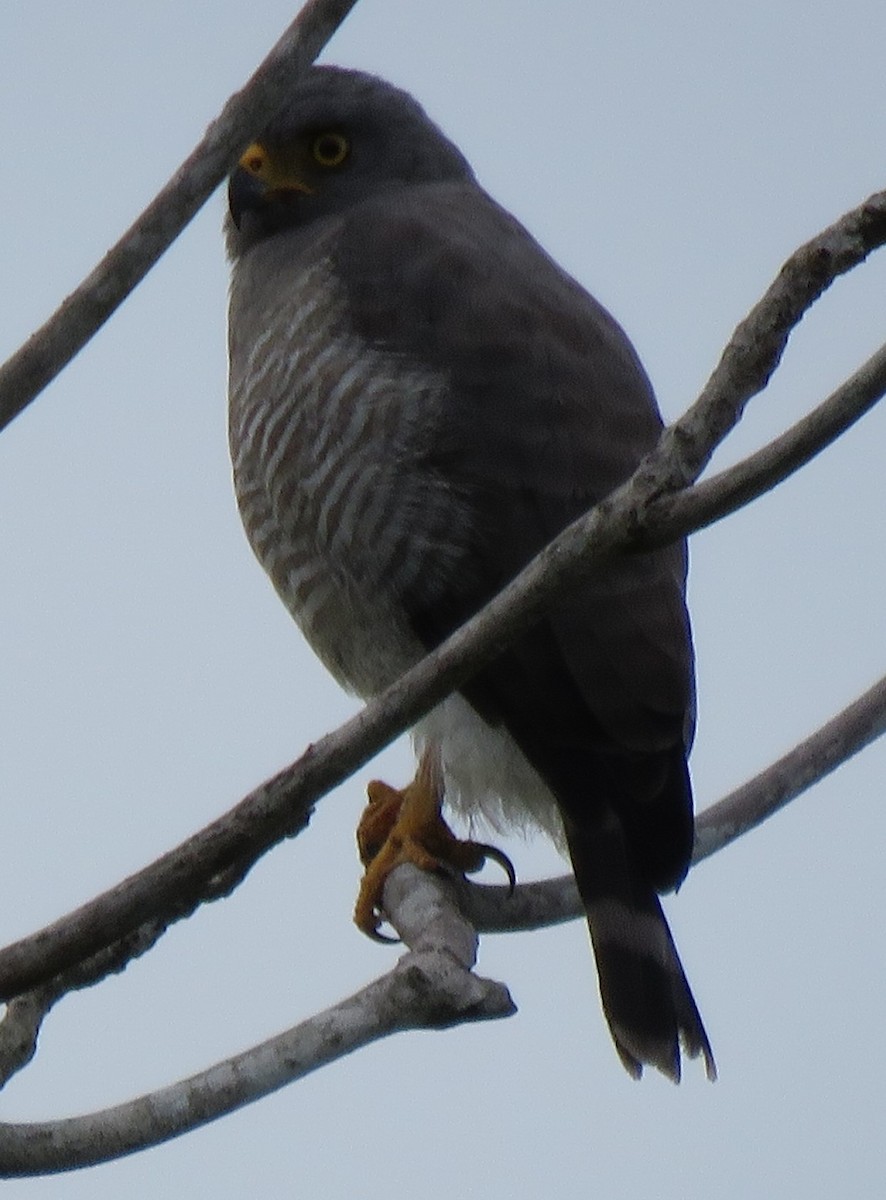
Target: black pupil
x: 329, y: 148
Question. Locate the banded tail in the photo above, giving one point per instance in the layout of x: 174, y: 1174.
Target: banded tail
x: 645, y: 994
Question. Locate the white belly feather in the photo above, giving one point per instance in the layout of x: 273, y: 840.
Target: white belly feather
x: 488, y: 780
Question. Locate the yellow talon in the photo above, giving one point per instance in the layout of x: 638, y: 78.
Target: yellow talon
x: 407, y: 825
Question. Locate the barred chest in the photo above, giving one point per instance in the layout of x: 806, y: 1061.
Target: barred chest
x: 328, y: 441
x: 328, y: 437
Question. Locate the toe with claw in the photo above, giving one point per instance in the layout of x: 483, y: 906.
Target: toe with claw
x: 407, y: 825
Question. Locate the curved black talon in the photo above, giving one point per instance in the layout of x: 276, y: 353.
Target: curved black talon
x: 382, y: 938
x: 499, y: 857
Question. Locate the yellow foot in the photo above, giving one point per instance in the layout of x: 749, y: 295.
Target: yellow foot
x: 407, y: 826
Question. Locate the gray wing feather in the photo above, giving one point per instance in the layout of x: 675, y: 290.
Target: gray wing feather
x: 548, y: 410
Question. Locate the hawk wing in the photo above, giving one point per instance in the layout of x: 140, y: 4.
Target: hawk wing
x: 547, y: 410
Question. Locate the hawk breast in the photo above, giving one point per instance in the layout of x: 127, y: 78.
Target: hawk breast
x: 328, y: 438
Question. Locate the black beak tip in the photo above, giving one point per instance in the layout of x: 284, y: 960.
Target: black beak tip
x: 245, y: 194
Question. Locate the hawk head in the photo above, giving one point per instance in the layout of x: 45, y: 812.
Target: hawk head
x: 342, y: 137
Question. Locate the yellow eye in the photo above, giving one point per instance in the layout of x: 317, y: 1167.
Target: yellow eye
x: 330, y: 149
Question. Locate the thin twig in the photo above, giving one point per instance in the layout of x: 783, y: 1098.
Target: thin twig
x: 759, y: 472
x: 755, y: 349
x: 24, y: 1015
x: 859, y: 724
x: 79, y: 317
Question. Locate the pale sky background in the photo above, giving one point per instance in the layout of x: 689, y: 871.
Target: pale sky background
x: 670, y: 156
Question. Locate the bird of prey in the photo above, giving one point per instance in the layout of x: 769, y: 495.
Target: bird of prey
x: 420, y: 400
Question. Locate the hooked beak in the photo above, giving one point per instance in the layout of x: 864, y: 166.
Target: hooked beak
x: 258, y: 182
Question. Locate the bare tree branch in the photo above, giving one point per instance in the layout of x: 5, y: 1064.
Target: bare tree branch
x: 79, y: 317
x: 529, y: 906
x: 761, y: 471
x: 431, y: 987
x: 20, y: 1028
x: 755, y: 349
x: 861, y: 723
x: 24, y: 1014
x: 643, y: 513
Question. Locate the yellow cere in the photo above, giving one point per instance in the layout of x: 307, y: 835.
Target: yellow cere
x: 273, y: 173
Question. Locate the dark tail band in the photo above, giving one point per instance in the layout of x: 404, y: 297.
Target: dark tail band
x: 646, y: 998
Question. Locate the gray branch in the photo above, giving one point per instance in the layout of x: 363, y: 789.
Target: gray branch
x: 432, y: 986
x: 861, y: 723
x: 82, y: 314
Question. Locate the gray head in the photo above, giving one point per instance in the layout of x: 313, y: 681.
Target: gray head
x: 342, y: 137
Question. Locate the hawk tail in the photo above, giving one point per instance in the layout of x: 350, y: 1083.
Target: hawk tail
x: 645, y: 994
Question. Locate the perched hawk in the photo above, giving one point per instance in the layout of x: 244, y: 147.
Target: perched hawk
x: 421, y: 399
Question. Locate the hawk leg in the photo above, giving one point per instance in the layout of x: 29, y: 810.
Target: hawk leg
x: 407, y: 825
